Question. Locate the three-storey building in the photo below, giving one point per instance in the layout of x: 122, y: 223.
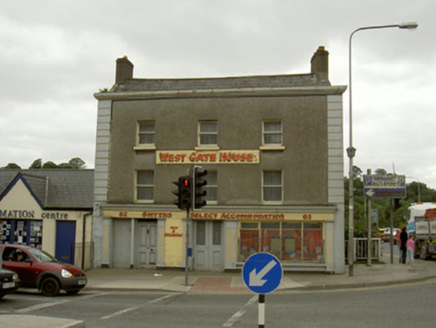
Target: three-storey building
x: 273, y: 149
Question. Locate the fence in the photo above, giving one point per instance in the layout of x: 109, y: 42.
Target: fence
x: 361, y: 249
x: 84, y: 255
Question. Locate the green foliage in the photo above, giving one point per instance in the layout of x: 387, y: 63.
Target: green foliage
x: 37, y: 164
x: 49, y: 165
x: 415, y: 191
x: 74, y: 163
x: 11, y: 166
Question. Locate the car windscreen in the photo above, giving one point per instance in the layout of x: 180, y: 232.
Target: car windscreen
x: 41, y: 256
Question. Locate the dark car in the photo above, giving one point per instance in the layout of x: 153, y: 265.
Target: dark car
x: 38, y: 269
x: 8, y: 282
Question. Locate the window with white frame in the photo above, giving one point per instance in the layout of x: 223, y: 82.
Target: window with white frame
x: 146, y: 133
x: 272, y: 133
x: 208, y: 133
x: 272, y: 186
x: 144, y: 186
x: 211, y: 187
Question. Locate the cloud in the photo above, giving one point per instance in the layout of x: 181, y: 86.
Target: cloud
x: 55, y: 54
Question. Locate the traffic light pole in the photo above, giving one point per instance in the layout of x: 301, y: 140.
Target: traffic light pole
x: 187, y: 247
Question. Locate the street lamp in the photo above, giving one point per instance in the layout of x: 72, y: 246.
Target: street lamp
x: 351, y: 151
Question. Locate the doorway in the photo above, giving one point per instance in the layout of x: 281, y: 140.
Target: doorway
x: 208, y: 246
x: 65, y: 241
x: 146, y: 242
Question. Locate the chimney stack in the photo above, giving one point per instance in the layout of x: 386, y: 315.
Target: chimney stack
x: 320, y: 64
x: 124, y: 70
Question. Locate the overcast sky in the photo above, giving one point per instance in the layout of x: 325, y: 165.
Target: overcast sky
x: 54, y: 55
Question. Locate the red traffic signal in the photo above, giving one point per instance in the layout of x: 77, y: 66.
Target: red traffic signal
x: 183, y: 193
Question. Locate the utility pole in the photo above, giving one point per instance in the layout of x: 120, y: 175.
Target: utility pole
x: 369, y: 228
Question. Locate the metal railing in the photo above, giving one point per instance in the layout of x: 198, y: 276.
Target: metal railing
x: 361, y: 249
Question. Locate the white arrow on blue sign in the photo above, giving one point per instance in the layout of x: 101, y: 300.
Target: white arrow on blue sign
x: 262, y: 273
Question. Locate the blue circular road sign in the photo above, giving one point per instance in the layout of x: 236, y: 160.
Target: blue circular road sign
x: 262, y: 273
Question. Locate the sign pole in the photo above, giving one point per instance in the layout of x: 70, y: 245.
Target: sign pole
x: 369, y: 228
x: 187, y: 247
x: 392, y: 230
x: 262, y: 274
x: 261, y: 310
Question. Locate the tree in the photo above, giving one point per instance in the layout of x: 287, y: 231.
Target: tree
x: 49, y: 165
x: 415, y: 191
x: 37, y: 164
x: 381, y: 172
x: 77, y: 163
x: 11, y: 166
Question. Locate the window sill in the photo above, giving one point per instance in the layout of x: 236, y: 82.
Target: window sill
x: 207, y: 148
x: 138, y: 201
x: 146, y: 148
x: 272, y: 148
x: 271, y: 202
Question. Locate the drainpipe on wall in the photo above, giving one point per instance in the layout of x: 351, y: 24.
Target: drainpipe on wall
x: 84, y: 238
x: 46, y: 191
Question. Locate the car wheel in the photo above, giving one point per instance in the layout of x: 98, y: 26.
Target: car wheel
x: 424, y: 255
x: 50, y: 287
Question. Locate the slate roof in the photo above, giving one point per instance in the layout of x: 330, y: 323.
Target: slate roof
x: 54, y: 189
x: 220, y: 83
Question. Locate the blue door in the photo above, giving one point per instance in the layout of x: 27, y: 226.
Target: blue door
x: 65, y: 241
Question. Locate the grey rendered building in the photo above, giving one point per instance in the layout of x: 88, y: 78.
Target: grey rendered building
x: 273, y: 148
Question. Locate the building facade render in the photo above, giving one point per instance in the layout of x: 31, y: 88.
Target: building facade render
x: 273, y: 149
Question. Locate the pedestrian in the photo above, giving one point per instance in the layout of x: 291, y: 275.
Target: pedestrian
x: 410, y: 249
x: 399, y: 244
x: 403, y: 247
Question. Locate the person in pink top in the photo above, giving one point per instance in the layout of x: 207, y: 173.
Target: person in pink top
x: 410, y: 249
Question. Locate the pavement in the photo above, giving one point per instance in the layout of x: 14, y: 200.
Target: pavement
x: 380, y: 273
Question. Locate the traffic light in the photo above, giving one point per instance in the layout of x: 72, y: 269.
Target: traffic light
x: 183, y: 193
x: 199, y: 183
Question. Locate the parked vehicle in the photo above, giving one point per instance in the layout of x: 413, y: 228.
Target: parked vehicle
x: 38, y: 269
x: 385, y: 234
x: 422, y: 223
x: 9, y: 282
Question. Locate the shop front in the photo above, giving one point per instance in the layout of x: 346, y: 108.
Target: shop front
x: 218, y: 240
x: 24, y: 220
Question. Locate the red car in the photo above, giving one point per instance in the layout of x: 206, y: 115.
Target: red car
x: 38, y: 269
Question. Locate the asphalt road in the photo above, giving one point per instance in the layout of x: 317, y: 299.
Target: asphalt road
x: 401, y: 306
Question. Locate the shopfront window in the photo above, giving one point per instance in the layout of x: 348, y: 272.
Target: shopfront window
x: 291, y: 242
x: 312, y: 241
x: 23, y: 232
x: 288, y: 241
x: 249, y: 240
x: 270, y: 238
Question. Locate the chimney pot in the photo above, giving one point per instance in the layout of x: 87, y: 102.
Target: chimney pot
x: 320, y: 64
x: 124, y: 70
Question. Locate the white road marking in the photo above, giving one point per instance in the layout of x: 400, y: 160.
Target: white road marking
x: 39, y: 306
x: 238, y: 315
x: 119, y: 313
x: 161, y: 298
